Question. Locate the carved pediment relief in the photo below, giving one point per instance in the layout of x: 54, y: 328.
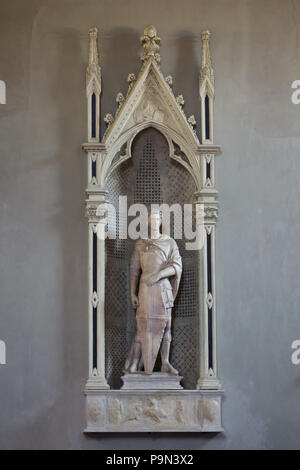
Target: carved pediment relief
x: 150, y: 108
x: 150, y: 99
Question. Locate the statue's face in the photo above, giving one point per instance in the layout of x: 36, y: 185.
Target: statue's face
x: 154, y: 220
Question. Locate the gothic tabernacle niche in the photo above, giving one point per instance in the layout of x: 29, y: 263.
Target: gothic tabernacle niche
x: 150, y: 153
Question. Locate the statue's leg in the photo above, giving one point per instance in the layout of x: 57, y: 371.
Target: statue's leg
x: 136, y: 355
x: 129, y: 359
x: 165, y: 351
x: 130, y: 356
x: 152, y: 330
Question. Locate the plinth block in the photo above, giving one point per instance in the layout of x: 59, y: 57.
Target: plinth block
x: 155, y: 381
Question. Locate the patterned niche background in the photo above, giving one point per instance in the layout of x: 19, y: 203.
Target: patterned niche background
x: 150, y: 176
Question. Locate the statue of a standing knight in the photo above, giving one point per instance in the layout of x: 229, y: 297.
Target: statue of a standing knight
x: 155, y: 272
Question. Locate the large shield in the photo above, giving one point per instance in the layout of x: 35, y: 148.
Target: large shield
x: 151, y: 331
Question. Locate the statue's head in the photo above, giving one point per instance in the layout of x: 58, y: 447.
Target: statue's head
x: 154, y: 220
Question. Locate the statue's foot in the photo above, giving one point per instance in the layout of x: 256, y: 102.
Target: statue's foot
x: 169, y: 369
x: 133, y: 368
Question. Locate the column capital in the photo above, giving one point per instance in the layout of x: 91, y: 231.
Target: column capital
x: 207, y: 197
x: 93, y: 205
x: 209, y: 148
x: 94, y: 147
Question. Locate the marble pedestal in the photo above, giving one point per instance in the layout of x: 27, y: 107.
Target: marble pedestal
x: 153, y: 411
x: 155, y: 381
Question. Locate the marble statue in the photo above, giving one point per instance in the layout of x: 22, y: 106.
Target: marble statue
x: 155, y: 272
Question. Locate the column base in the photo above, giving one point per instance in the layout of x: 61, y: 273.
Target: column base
x: 96, y: 382
x: 208, y: 383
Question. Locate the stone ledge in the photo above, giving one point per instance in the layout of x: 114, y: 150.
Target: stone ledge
x: 155, y: 381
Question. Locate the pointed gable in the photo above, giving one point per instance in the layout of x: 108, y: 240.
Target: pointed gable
x: 150, y: 99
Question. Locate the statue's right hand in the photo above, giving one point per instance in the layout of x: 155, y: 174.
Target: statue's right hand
x: 134, y: 301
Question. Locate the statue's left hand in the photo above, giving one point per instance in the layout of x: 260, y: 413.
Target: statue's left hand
x: 153, y: 279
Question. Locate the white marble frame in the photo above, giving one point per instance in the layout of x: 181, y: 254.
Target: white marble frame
x: 150, y: 102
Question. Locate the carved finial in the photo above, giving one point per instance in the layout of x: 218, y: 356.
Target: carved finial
x: 180, y: 101
x: 93, y: 57
x: 120, y: 99
x: 93, y: 69
x: 108, y: 119
x: 192, y: 121
x: 169, y: 80
x: 150, y: 42
x: 206, y: 68
x: 206, y: 90
x: 130, y: 79
x: 93, y: 88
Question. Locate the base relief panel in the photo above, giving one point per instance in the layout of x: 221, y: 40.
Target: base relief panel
x: 154, y: 411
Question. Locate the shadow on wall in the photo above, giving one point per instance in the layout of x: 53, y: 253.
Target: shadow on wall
x: 119, y: 52
x: 186, y: 73
x: 67, y: 90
